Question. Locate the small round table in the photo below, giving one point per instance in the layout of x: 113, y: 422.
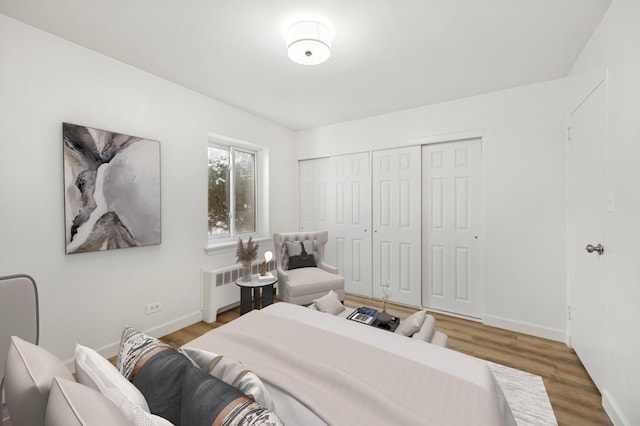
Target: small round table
x: 257, y: 282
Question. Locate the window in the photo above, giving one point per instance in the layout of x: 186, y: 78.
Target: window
x: 236, y: 207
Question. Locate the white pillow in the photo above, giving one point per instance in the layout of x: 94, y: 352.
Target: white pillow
x: 411, y: 324
x: 427, y: 329
x: 231, y: 372
x: 329, y: 303
x: 97, y: 372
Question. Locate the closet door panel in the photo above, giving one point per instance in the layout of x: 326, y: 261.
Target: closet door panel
x: 397, y: 224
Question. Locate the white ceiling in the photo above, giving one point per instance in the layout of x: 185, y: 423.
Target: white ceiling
x: 387, y: 55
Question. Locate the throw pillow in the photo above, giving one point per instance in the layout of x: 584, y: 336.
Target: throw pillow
x: 411, y: 324
x: 427, y: 329
x: 94, y: 371
x: 300, y: 254
x: 136, y: 346
x: 329, y: 303
x: 250, y: 413
x: 72, y: 404
x: 29, y: 373
x: 231, y: 372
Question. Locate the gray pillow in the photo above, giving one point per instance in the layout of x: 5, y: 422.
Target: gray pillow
x: 29, y: 373
x: 72, y: 404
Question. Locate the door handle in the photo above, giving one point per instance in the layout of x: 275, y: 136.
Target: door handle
x: 599, y: 249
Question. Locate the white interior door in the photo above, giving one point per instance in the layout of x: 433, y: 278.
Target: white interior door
x: 396, y: 223
x: 587, y: 206
x: 453, y: 259
x: 351, y: 234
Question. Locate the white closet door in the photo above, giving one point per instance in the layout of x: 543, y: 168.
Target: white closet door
x: 396, y: 224
x: 350, y: 238
x: 314, y: 184
x: 453, y: 275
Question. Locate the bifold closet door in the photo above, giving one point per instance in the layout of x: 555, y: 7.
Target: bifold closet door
x: 314, y: 186
x: 335, y: 195
x: 397, y: 224
x: 453, y: 259
x: 350, y: 237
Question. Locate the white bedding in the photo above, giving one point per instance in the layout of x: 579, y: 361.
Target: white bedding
x: 469, y: 369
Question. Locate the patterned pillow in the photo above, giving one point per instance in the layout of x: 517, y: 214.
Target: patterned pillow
x: 135, y: 348
x: 300, y: 254
x: 250, y: 413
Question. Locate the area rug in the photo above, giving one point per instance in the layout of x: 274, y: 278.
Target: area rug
x: 4, y: 416
x: 526, y: 395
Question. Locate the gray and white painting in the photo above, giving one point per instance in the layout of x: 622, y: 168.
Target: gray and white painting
x: 112, y: 190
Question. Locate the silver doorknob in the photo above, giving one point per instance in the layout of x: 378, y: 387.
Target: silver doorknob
x: 598, y: 249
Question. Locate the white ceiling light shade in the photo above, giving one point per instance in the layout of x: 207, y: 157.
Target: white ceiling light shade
x: 308, y: 43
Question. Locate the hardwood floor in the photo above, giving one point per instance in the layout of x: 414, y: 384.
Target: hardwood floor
x: 574, y: 397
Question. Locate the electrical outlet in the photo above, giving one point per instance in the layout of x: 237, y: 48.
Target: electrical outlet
x: 154, y: 307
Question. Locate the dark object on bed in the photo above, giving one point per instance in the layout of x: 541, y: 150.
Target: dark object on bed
x: 175, y: 389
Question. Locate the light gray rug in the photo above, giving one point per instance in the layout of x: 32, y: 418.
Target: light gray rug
x: 526, y: 395
x: 4, y: 418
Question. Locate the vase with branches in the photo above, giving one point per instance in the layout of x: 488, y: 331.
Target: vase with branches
x: 246, y: 254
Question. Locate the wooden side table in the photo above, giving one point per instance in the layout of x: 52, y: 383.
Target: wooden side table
x: 255, y: 284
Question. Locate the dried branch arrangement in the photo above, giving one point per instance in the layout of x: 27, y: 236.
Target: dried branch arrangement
x: 248, y: 253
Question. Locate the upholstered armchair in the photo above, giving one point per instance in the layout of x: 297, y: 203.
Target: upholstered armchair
x: 304, y: 284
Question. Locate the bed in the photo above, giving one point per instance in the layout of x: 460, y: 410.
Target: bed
x: 322, y: 369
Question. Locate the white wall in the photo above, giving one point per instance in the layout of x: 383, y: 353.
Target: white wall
x: 89, y: 297
x: 524, y: 177
x: 613, y: 51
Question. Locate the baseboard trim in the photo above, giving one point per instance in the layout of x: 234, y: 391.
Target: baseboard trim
x: 613, y: 409
x: 168, y: 327
x: 526, y: 328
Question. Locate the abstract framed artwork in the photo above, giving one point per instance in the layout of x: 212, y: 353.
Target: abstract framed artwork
x: 111, y: 190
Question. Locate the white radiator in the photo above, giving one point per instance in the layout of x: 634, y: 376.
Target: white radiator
x: 219, y: 291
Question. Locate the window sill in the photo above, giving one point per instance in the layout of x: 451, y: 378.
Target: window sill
x: 229, y: 246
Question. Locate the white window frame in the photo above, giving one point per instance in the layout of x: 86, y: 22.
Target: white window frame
x: 216, y: 244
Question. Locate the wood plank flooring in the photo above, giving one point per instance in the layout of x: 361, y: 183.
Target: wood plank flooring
x: 574, y: 397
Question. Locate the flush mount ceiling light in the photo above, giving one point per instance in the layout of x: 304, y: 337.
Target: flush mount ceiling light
x: 308, y: 43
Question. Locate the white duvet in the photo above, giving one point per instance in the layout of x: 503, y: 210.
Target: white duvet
x: 469, y: 370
